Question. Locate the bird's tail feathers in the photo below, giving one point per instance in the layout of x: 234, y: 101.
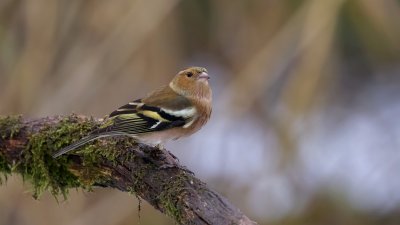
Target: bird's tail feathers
x: 79, y: 143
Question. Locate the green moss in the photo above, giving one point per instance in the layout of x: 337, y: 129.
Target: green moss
x: 172, y: 210
x: 45, y: 172
x: 94, y: 152
x: 173, y: 191
x: 62, y: 173
x: 4, y: 169
x: 9, y: 126
x: 65, y: 172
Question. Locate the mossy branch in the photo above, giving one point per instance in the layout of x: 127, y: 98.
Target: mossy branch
x: 26, y: 147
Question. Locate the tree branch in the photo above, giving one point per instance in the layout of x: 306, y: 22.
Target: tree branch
x: 26, y: 147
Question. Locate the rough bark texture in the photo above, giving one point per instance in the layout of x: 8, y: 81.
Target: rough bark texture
x: 26, y: 147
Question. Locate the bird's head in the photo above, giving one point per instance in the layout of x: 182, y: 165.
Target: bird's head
x: 192, y: 82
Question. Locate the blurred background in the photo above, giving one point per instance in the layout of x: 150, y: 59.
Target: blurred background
x: 305, y: 128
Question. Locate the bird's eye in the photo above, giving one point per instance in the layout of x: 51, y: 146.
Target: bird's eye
x: 189, y: 74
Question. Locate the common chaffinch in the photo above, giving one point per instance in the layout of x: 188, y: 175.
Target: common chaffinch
x: 176, y: 110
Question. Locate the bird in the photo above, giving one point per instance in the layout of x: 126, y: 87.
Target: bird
x: 176, y: 110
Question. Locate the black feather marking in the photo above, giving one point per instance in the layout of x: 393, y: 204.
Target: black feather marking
x: 132, y: 129
x: 150, y: 121
x: 169, y: 116
x: 126, y: 109
x: 118, y: 112
x: 150, y: 108
x: 141, y: 123
x: 167, y: 125
x: 161, y: 113
x: 131, y: 121
x: 133, y: 126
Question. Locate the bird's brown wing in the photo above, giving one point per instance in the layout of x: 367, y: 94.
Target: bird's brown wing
x: 161, y: 110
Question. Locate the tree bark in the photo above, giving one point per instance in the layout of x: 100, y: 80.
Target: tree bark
x: 26, y: 147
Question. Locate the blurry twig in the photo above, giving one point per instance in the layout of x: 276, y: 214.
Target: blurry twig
x: 285, y: 74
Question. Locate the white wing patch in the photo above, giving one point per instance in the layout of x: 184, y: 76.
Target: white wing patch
x: 136, y: 103
x: 155, y: 125
x: 185, y: 113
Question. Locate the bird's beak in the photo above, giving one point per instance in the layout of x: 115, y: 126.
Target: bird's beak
x: 204, y: 76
